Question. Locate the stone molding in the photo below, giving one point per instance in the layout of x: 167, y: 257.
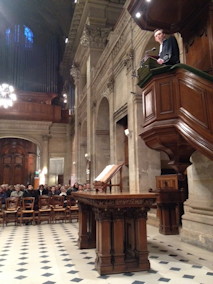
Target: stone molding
x: 121, y: 112
x: 75, y: 73
x: 94, y: 37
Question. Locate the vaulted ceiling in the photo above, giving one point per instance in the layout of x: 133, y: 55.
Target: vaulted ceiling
x: 43, y: 17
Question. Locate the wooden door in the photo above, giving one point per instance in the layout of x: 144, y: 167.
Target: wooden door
x: 17, y: 161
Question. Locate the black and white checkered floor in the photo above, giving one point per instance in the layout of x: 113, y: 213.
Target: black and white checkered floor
x: 48, y: 254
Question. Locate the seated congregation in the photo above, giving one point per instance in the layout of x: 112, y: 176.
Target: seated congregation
x: 26, y: 205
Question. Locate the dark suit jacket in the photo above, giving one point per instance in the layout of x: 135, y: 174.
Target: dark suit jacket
x: 170, y: 51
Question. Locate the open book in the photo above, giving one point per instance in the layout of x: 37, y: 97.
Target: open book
x: 104, y: 178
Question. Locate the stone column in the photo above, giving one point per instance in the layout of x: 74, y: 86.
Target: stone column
x: 45, y: 157
x: 197, y: 221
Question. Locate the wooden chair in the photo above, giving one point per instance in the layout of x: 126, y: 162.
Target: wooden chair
x: 27, y: 210
x: 1, y: 214
x: 72, y: 208
x: 58, y: 209
x: 44, y: 209
x: 12, y: 208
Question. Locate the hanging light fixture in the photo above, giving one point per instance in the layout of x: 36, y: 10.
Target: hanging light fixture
x: 7, y: 95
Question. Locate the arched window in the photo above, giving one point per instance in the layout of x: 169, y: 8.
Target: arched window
x: 19, y: 34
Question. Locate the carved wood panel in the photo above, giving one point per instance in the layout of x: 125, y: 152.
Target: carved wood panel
x: 17, y: 161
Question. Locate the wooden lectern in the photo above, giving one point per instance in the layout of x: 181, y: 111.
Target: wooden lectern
x: 103, y: 180
x: 115, y: 224
x: 149, y: 67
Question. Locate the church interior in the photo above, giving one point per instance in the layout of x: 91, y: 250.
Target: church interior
x: 83, y: 100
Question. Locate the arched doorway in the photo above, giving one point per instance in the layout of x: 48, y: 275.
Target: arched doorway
x: 18, y: 159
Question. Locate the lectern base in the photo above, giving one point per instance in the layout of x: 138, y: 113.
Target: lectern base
x: 119, y: 232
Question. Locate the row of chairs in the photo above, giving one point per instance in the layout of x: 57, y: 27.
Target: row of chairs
x: 50, y: 209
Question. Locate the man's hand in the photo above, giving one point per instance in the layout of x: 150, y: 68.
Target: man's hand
x: 160, y: 61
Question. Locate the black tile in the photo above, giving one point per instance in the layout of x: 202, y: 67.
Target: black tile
x: 197, y: 266
x: 163, y: 262
x: 138, y: 282
x: 22, y: 263
x: 45, y: 261
x: 49, y: 282
x: 93, y: 263
x: 164, y: 279
x: 76, y: 280
x: 47, y: 274
x: 72, y: 271
x: 188, y: 276
x: 66, y: 259
x: 152, y: 271
x: 183, y: 260
x: 103, y: 277
x: 46, y: 267
x: 20, y: 277
x: 175, y: 268
x: 69, y: 265
x: 21, y: 269
x: 209, y: 273
x: 128, y: 274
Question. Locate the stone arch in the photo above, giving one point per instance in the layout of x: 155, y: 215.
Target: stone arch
x: 102, y: 136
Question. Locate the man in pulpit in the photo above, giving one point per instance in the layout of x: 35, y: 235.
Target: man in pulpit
x: 169, y: 50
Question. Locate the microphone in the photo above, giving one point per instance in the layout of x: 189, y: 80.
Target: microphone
x: 152, y: 49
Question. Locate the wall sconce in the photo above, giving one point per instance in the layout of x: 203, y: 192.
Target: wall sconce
x: 87, y: 156
x: 128, y: 132
x: 74, y: 163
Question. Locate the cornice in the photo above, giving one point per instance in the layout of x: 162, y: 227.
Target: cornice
x: 121, y: 112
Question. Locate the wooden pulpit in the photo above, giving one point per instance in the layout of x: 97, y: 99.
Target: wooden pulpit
x: 149, y: 67
x: 103, y: 180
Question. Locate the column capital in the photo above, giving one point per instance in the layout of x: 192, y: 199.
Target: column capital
x: 94, y: 36
x: 75, y: 72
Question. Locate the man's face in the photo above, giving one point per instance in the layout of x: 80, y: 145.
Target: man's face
x: 159, y: 36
